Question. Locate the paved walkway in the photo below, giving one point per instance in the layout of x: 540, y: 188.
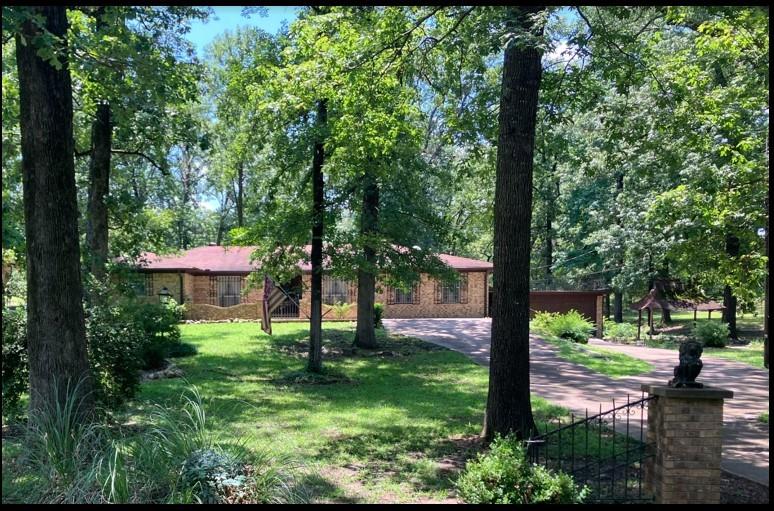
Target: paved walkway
x: 745, y: 441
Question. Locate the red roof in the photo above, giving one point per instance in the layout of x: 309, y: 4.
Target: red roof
x: 237, y: 259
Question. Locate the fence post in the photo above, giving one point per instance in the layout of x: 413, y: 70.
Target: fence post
x: 685, y: 427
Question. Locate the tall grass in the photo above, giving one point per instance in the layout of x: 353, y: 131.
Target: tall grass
x: 76, y: 461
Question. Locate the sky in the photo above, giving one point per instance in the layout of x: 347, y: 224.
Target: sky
x: 229, y: 17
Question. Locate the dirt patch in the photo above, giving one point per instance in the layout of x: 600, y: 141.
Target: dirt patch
x: 170, y: 370
x: 308, y: 378
x: 738, y: 490
x: 339, y: 345
x: 464, y: 447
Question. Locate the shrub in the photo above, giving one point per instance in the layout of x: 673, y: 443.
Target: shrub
x: 158, y: 324
x: 15, y: 369
x: 572, y: 325
x: 504, y: 476
x: 121, y: 339
x: 182, y: 349
x: 542, y: 321
x: 341, y: 309
x: 620, y: 331
x: 713, y: 334
x: 378, y: 314
x: 115, y: 346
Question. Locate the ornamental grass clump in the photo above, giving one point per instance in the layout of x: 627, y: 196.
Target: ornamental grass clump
x: 503, y: 475
x: 173, y: 459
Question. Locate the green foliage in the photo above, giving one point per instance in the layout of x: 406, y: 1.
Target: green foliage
x: 378, y: 314
x: 503, y: 475
x: 15, y: 367
x: 571, y: 325
x: 172, y: 461
x: 181, y: 349
x: 159, y: 325
x: 122, y: 338
x: 115, y: 347
x: 341, y: 309
x: 620, y: 331
x: 542, y: 321
x: 713, y: 334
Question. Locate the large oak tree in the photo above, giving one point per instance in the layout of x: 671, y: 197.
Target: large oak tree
x: 55, y: 325
x: 508, y: 404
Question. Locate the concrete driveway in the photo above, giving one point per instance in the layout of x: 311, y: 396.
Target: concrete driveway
x: 745, y: 441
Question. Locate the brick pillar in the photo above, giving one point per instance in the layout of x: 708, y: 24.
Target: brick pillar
x: 685, y: 427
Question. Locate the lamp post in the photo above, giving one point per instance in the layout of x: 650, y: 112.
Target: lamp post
x: 164, y: 295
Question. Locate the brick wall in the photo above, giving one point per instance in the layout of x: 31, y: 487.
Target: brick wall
x: 685, y: 431
x: 196, y: 292
x: 213, y: 312
x: 169, y: 280
x: 427, y: 308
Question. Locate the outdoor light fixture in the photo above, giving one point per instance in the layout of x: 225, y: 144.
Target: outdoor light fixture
x: 164, y: 295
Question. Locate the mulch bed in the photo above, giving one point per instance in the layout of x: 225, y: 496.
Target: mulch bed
x: 307, y: 378
x: 339, y: 345
x: 738, y: 490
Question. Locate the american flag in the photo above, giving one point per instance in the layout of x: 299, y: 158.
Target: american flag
x: 273, y: 296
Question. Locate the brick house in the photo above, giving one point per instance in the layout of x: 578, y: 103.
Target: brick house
x: 211, y: 281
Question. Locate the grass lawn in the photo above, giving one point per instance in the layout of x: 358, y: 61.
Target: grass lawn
x: 388, y: 435
x: 600, y: 360
x: 391, y: 425
x: 749, y: 325
x: 751, y: 353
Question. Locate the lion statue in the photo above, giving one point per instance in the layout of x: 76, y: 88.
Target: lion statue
x: 690, y: 366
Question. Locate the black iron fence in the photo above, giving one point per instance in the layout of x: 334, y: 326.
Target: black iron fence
x: 288, y: 308
x: 605, y: 451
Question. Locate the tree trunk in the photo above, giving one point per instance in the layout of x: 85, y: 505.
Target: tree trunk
x: 549, y: 249
x: 508, y: 403
x: 56, y: 337
x: 618, y: 293
x: 365, y: 335
x: 318, y: 212
x: 729, y: 299
x: 99, y: 187
x: 618, y: 306
x: 240, y: 195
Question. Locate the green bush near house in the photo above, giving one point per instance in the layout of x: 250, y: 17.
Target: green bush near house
x: 378, y: 314
x: 122, y: 338
x: 620, y: 332
x: 713, y: 334
x: 341, y: 309
x: 571, y: 326
x: 504, y: 476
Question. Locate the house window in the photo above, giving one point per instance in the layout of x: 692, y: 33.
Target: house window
x: 455, y: 292
x: 225, y: 290
x: 142, y: 284
x: 335, y: 290
x: 403, y: 296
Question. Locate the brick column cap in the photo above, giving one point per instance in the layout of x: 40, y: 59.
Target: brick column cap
x: 691, y: 393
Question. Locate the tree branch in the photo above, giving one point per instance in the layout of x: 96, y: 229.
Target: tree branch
x: 164, y: 170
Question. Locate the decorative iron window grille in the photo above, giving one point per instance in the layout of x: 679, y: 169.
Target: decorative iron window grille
x: 229, y: 290
x: 148, y: 284
x: 336, y: 290
x: 455, y: 292
x: 402, y: 296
